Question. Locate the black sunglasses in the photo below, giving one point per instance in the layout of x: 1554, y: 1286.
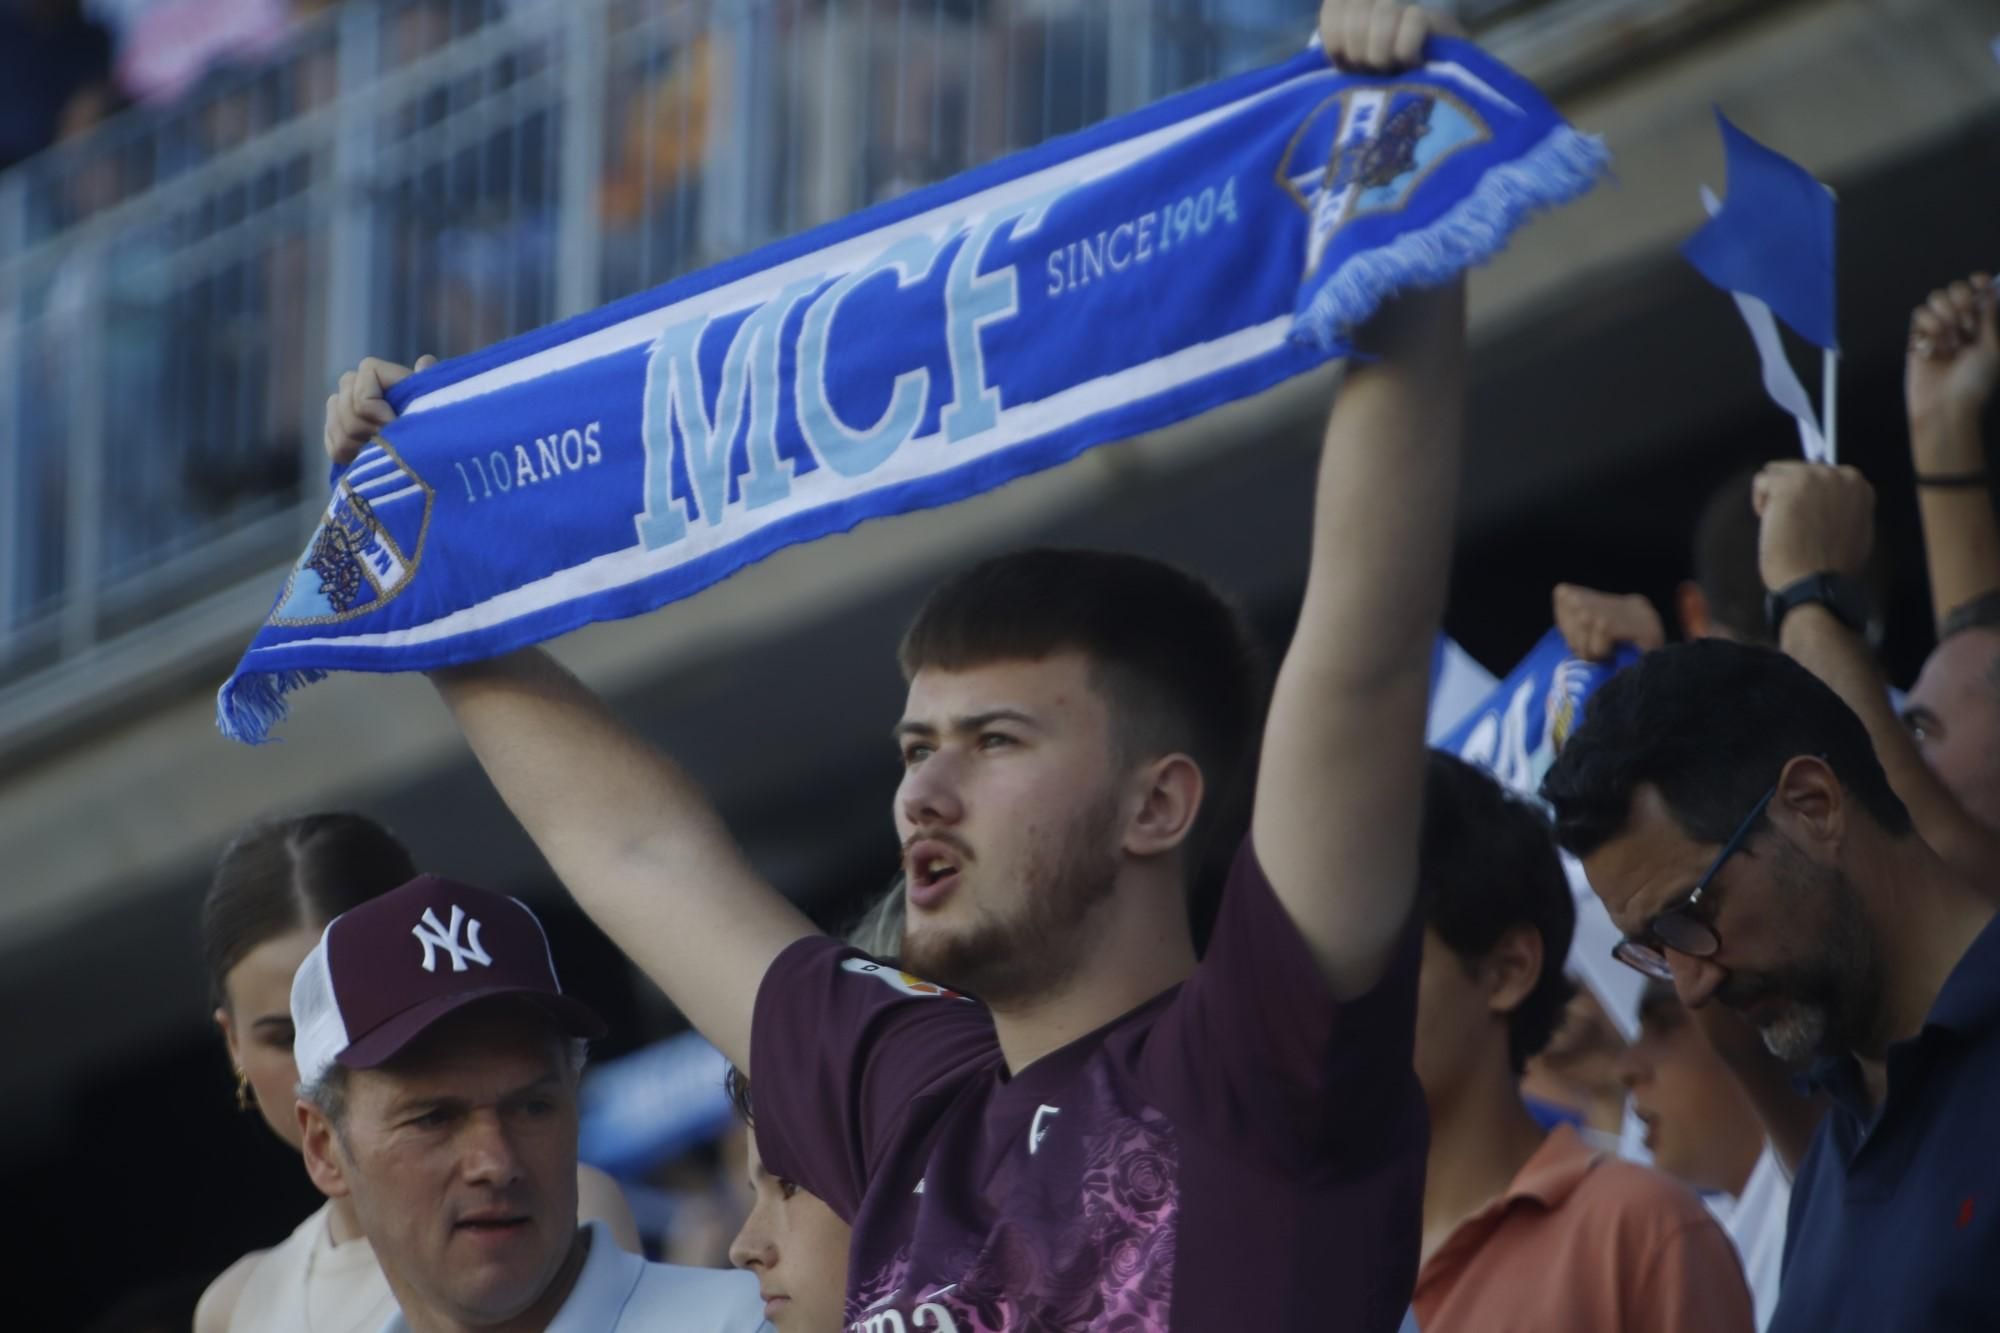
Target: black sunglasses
x: 1678, y: 927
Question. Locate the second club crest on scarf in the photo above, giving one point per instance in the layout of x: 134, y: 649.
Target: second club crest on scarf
x: 367, y: 546
x: 1365, y: 150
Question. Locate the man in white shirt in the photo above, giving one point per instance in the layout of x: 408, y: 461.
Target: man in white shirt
x: 438, y: 1063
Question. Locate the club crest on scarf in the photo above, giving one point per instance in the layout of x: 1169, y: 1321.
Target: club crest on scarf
x: 1370, y: 147
x: 367, y: 546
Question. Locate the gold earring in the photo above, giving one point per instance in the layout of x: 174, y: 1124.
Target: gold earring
x: 244, y: 1097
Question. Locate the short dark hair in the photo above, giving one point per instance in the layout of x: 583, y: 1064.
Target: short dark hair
x: 1176, y: 662
x: 1711, y: 724
x: 1725, y: 559
x: 1982, y: 612
x: 1488, y: 863
x: 281, y: 874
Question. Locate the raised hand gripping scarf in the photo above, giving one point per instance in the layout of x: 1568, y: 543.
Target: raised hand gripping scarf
x: 1515, y: 733
x: 1102, y: 285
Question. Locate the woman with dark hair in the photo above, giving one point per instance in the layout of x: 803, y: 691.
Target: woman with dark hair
x: 275, y: 889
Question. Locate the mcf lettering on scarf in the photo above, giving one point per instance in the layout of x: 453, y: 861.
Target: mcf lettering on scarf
x: 675, y: 415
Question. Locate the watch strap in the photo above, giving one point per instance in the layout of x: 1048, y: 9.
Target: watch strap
x: 1840, y: 594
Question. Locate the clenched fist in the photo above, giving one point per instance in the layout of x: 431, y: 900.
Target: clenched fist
x: 1594, y: 623
x: 1954, y: 355
x: 1815, y: 517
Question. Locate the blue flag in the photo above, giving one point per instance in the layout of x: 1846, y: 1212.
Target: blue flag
x: 1773, y: 239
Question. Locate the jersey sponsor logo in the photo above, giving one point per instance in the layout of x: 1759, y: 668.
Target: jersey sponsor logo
x: 1039, y: 1130
x: 434, y: 936
x: 1094, y: 1249
x: 930, y: 1317
x: 896, y: 980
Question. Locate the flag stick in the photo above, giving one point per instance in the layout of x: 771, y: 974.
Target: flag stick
x: 1828, y: 395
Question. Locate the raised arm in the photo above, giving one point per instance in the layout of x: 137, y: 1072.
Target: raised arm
x: 1954, y: 362
x: 1821, y: 519
x: 628, y: 832
x: 1340, y: 786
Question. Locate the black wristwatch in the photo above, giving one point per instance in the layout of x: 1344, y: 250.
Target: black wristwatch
x: 1839, y: 593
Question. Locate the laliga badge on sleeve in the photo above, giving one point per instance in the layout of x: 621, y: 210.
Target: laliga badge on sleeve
x: 897, y: 980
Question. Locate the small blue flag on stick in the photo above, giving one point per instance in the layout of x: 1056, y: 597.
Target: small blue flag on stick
x: 1773, y: 238
x: 1771, y: 248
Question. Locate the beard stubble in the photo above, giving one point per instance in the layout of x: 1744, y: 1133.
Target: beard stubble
x: 1033, y: 949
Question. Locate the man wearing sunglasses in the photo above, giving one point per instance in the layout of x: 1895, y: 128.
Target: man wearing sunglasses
x: 1735, y: 821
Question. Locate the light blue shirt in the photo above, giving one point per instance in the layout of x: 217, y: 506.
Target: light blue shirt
x: 616, y: 1290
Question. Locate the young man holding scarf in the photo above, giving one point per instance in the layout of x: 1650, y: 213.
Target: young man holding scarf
x: 1114, y: 1132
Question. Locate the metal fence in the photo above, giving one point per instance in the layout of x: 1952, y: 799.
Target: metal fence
x: 179, y: 287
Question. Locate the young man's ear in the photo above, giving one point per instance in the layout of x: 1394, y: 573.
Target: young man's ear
x: 320, y: 1143
x: 1512, y: 968
x: 1169, y: 798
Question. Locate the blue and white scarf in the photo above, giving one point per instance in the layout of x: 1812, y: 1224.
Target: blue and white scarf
x: 925, y: 350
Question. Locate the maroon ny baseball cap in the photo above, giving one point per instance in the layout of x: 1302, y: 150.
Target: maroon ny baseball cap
x: 385, y: 971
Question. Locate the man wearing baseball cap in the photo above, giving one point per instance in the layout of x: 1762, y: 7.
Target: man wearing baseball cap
x: 438, y: 1063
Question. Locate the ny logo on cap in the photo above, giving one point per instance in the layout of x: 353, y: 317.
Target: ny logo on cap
x: 434, y: 937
